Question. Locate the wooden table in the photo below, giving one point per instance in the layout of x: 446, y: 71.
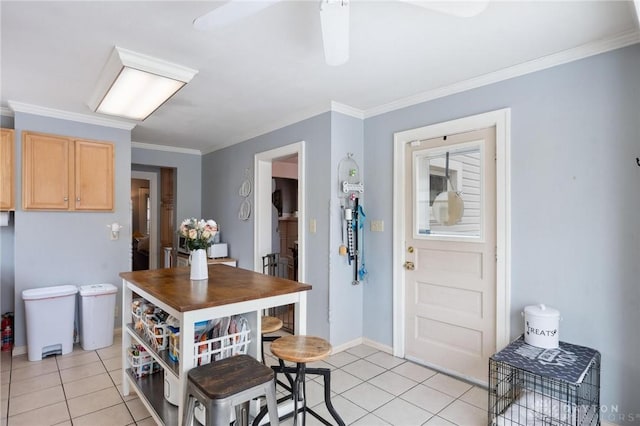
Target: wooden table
x: 228, y: 291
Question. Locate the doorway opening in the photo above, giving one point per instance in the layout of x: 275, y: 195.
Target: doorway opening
x: 279, y: 242
x: 153, y: 225
x: 144, y: 214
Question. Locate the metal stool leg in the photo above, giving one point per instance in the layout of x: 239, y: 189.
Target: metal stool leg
x: 218, y: 413
x: 189, y: 407
x: 242, y: 414
x: 272, y: 405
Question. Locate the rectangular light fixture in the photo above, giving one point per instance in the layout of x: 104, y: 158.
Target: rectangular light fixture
x: 133, y: 85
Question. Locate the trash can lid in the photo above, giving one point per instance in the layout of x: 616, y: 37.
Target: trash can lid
x: 97, y: 289
x: 49, y: 292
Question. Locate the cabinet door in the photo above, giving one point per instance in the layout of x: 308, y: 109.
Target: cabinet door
x: 46, y: 171
x: 94, y: 178
x: 7, y: 160
x: 182, y: 261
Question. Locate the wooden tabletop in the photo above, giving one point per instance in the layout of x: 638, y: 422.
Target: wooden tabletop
x: 225, y: 285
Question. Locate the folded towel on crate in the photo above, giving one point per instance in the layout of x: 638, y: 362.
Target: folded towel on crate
x: 534, y: 409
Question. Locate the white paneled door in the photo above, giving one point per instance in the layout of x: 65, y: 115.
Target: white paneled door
x: 450, y: 252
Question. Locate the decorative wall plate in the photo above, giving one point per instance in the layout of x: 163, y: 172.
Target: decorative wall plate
x: 245, y: 210
x: 245, y: 188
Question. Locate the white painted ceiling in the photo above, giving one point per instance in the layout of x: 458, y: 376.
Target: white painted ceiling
x: 268, y: 70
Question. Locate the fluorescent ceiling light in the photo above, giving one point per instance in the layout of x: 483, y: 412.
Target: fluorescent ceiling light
x: 334, y: 19
x: 133, y: 85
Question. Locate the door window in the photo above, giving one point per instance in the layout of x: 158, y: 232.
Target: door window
x: 448, y: 192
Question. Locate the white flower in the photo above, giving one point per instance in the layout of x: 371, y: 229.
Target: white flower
x: 198, y: 233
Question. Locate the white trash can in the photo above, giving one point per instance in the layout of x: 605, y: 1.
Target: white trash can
x: 49, y: 313
x: 97, y: 315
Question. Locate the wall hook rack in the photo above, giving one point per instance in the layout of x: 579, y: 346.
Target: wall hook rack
x: 350, y: 189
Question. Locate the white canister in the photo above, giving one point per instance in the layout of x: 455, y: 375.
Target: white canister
x: 171, y: 391
x: 541, y: 326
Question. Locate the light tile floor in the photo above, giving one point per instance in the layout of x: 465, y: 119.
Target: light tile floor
x: 369, y: 388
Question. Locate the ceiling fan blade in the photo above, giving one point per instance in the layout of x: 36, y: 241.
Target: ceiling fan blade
x: 334, y: 19
x: 230, y: 12
x: 462, y: 9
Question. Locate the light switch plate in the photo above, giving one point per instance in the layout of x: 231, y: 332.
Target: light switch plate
x: 312, y: 226
x: 377, y: 226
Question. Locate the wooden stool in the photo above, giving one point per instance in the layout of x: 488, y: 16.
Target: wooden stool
x: 301, y: 350
x: 269, y: 325
x: 230, y: 382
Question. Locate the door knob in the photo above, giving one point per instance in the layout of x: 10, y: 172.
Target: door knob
x: 409, y: 266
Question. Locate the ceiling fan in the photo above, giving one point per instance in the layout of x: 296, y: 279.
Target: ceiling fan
x: 334, y: 19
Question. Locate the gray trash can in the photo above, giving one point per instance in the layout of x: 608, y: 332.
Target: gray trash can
x: 97, y: 315
x: 49, y: 312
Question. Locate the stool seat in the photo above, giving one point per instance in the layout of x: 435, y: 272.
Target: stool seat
x: 227, y: 384
x: 270, y: 324
x: 301, y: 349
x: 221, y: 379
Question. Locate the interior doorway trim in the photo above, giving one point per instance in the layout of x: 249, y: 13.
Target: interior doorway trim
x: 262, y: 204
x: 153, y: 229
x: 501, y: 119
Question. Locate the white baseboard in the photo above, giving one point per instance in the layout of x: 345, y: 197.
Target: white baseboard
x: 348, y: 345
x: 362, y: 341
x: 19, y: 350
x: 381, y: 347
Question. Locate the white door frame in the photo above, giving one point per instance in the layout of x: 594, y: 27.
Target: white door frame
x: 153, y: 229
x: 501, y: 119
x: 262, y: 204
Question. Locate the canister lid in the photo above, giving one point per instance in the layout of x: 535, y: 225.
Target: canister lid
x: 49, y: 292
x: 97, y: 289
x: 541, y: 310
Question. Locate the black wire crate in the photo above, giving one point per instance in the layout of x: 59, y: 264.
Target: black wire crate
x: 530, y: 386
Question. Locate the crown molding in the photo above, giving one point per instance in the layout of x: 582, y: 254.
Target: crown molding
x: 545, y: 62
x: 7, y: 112
x: 166, y: 148
x: 71, y: 116
x: 347, y: 110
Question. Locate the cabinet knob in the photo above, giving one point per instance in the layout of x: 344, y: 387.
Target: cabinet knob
x: 78, y: 199
x: 66, y: 198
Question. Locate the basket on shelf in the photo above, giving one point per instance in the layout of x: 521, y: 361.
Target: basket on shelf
x: 214, y: 340
x: 141, y: 361
x: 214, y: 348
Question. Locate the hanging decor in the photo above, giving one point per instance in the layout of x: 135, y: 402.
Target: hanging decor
x: 245, y: 190
x: 448, y: 206
x: 350, y: 189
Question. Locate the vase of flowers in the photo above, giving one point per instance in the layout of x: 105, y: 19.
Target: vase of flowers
x: 198, y: 236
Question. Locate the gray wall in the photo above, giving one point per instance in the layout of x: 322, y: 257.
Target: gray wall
x: 347, y: 135
x: 223, y: 173
x: 57, y: 248
x: 188, y: 175
x: 575, y: 202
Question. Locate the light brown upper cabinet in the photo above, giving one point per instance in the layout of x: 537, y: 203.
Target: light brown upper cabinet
x: 7, y: 177
x: 63, y: 173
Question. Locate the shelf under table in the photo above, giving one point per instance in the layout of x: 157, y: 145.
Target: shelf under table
x: 152, y: 387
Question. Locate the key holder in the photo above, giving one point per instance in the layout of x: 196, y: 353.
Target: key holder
x: 350, y: 189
